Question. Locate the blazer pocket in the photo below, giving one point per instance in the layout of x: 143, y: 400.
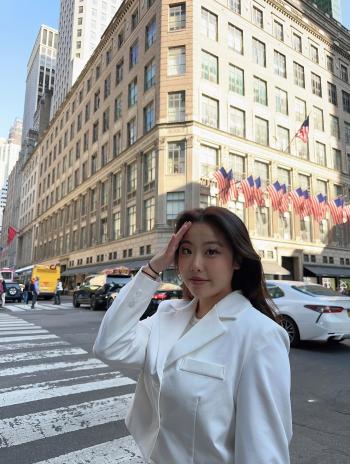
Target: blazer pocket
x: 202, y: 368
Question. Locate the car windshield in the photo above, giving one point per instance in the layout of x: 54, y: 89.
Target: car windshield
x: 316, y: 290
x: 118, y: 280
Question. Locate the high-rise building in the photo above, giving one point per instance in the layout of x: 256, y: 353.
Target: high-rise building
x: 40, y: 74
x: 81, y: 26
x: 9, y: 150
x: 332, y: 7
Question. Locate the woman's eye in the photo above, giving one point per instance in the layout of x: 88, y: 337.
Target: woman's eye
x: 185, y: 251
x: 212, y: 252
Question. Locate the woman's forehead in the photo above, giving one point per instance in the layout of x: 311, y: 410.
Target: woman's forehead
x: 201, y: 232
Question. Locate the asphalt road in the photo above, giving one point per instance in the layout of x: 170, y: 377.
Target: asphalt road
x: 60, y: 406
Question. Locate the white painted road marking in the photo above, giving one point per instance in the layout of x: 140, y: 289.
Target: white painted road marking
x: 18, y: 357
x: 23, y: 332
x: 26, y: 338
x: 27, y: 346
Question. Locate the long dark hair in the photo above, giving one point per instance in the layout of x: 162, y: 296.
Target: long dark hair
x: 249, y: 278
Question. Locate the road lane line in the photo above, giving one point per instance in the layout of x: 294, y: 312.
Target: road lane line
x: 37, y: 426
x: 27, y: 346
x: 24, y: 332
x: 26, y: 338
x: 10, y: 396
x: 120, y: 451
x: 20, y: 357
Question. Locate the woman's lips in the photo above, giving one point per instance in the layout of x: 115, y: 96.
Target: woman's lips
x: 196, y: 281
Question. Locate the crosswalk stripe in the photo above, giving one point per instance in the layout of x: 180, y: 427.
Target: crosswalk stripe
x: 17, y: 322
x: 13, y: 308
x: 37, y: 426
x: 19, y: 357
x: 24, y: 332
x: 27, y: 346
x: 58, y: 388
x: 26, y: 338
x: 22, y: 327
x: 68, y: 366
x: 122, y: 451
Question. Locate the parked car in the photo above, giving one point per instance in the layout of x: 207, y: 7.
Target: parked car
x: 13, y: 292
x: 310, y: 311
x: 166, y: 291
x: 93, y: 290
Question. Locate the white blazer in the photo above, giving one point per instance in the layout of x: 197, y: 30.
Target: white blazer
x: 219, y: 394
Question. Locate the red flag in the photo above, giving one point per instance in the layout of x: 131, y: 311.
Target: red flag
x: 11, y: 234
x: 284, y: 201
x: 297, y: 198
x: 247, y: 187
x: 336, y: 209
x: 274, y: 194
x: 258, y: 193
x: 220, y: 177
x: 303, y: 132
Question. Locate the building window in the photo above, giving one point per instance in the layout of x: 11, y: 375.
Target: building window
x: 259, y: 52
x: 176, y: 61
x: 344, y: 73
x: 132, y: 93
x: 318, y: 118
x: 278, y: 30
x: 208, y: 159
x: 316, y: 85
x: 93, y: 200
x: 120, y: 40
x: 235, y: 39
x: 299, y: 75
x: 131, y: 177
x: 209, y: 67
x: 335, y: 131
x: 119, y: 72
x: 314, y: 54
x: 117, y: 144
x: 149, y: 169
x: 237, y: 122
x: 285, y: 225
x: 150, y: 75
x: 283, y: 139
x: 131, y: 131
x: 176, y: 157
x: 104, y: 193
x: 258, y: 17
x: 93, y: 163
x: 150, y: 33
x: 176, y: 106
x: 260, y: 91
x: 346, y: 101
x: 210, y: 111
x: 87, y: 112
x: 297, y: 43
x: 281, y: 98
x: 107, y: 87
x: 209, y: 24
x: 280, y: 67
x: 116, y: 225
x: 175, y: 204
x: 105, y: 120
x: 118, y: 108
x: 104, y: 154
x: 95, y: 132
x: 148, y: 117
x: 347, y: 133
x: 330, y: 64
x: 236, y: 79
x: 177, y: 17
x: 235, y: 6
x: 261, y: 131
x: 149, y: 213
x: 332, y: 93
x: 337, y: 164
x: 262, y: 221
x: 133, y: 54
x: 300, y: 110
x: 305, y: 229
x: 131, y: 220
x: 117, y: 186
x: 320, y: 153
x: 96, y: 100
x: 134, y: 19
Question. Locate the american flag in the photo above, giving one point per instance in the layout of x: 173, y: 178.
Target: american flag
x: 317, y: 210
x: 258, y: 193
x: 247, y: 187
x: 274, y: 194
x: 303, y: 132
x: 284, y: 202
x: 220, y: 176
x: 336, y: 209
x: 297, y: 199
x: 306, y: 209
x: 233, y: 190
x: 346, y: 213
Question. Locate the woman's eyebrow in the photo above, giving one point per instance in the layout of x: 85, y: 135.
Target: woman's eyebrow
x: 211, y: 242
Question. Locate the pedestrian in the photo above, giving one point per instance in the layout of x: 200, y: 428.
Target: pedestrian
x: 35, y: 289
x: 213, y: 369
x: 58, y: 292
x: 2, y: 292
x: 26, y: 291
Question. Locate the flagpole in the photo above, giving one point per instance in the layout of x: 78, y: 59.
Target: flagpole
x: 290, y: 143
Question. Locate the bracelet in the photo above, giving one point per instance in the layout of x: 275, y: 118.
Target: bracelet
x: 149, y: 275
x: 153, y: 270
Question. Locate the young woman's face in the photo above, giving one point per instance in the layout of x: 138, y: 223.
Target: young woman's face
x: 206, y: 262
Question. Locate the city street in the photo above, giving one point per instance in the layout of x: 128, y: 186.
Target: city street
x: 60, y: 405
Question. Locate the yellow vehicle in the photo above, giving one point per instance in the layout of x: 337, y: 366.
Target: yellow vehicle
x: 47, y: 275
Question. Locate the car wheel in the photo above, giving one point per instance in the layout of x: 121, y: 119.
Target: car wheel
x: 75, y: 303
x: 292, y: 330
x: 93, y: 305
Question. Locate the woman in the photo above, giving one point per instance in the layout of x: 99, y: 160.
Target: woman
x: 214, y: 376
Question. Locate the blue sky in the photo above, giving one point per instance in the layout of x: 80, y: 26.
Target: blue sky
x: 19, y: 25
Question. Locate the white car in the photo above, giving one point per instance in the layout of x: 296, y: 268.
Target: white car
x: 311, y: 312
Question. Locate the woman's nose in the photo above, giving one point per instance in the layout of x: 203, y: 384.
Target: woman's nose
x: 196, y: 262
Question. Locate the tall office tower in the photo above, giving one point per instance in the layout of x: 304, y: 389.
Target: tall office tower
x: 82, y: 24
x: 40, y: 73
x: 15, y: 133
x: 332, y: 7
x: 9, y: 150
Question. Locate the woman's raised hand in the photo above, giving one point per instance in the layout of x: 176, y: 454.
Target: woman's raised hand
x: 166, y: 257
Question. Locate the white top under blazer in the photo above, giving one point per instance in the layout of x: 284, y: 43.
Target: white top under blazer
x: 218, y: 393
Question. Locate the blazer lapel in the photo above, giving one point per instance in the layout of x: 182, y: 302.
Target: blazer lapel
x: 207, y: 329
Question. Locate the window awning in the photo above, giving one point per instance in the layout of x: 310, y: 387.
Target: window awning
x: 328, y: 271
x: 273, y: 268
x: 94, y: 269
